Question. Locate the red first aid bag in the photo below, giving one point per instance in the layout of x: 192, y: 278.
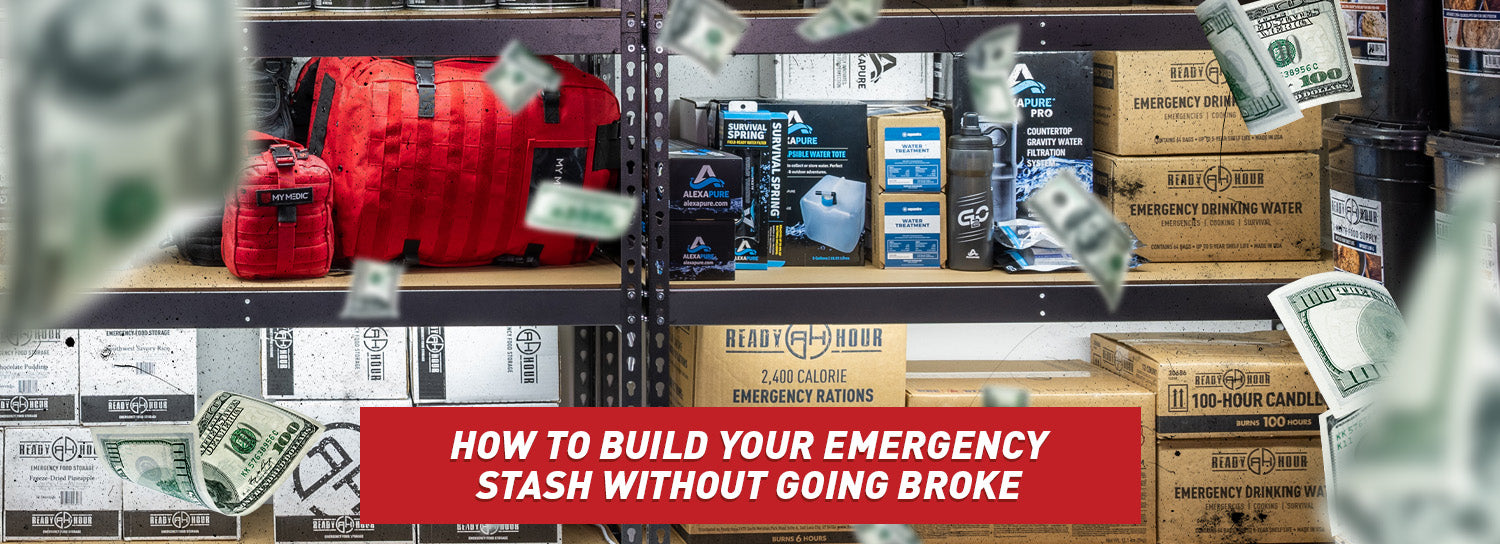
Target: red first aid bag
x: 279, y: 222
x: 429, y: 166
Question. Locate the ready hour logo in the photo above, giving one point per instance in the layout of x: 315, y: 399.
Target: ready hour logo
x: 1216, y: 178
x: 179, y: 520
x: 341, y: 524
x: 63, y: 449
x: 21, y: 404
x: 1208, y: 71
x: 136, y: 405
x: 63, y: 520
x: 1258, y: 461
x: 488, y: 529
x: 1233, y: 379
x: 805, y: 342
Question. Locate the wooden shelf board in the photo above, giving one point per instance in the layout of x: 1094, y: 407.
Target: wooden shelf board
x: 173, y: 274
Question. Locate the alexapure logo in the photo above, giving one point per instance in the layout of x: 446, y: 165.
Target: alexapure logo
x: 706, y: 178
x: 1022, y: 82
x: 744, y: 249
x: 872, y: 66
x: 1259, y: 461
x: 698, y: 246
x: 797, y: 125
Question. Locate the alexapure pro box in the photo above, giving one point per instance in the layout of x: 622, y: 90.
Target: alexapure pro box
x: 1216, y: 207
x: 907, y: 230
x: 150, y: 515
x: 321, y: 501
x: 1051, y: 384
x: 788, y: 365
x: 1218, y: 384
x: 1176, y: 103
x: 1260, y: 490
x: 56, y: 488
x: 508, y: 533
x: 907, y: 150
x: 484, y: 364
x: 39, y: 378
x: 334, y: 363
x: 138, y: 375
x: 766, y: 534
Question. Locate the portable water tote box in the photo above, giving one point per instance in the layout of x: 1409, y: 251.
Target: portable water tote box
x: 279, y: 222
x: 430, y: 167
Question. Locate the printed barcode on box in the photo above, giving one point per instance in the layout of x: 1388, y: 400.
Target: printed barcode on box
x: 1376, y: 49
x: 27, y: 387
x: 49, y: 334
x: 146, y: 367
x: 1492, y: 61
x: 70, y: 497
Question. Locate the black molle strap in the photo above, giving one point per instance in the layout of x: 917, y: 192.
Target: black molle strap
x: 319, y: 130
x: 551, y: 107
x: 426, y: 88
x: 607, y: 147
x: 532, y: 258
x: 409, y: 252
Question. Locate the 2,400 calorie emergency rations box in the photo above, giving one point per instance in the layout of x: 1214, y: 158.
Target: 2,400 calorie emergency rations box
x: 56, y: 488
x: 138, y: 375
x: 334, y: 363
x: 789, y: 365
x: 39, y: 378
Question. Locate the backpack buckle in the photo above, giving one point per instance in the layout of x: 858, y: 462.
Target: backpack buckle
x: 282, y: 155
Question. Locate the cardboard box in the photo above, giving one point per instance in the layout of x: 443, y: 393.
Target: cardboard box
x: 701, y: 250
x: 150, y: 515
x: 705, y: 184
x: 908, y: 231
x: 334, y: 363
x: 39, y: 378
x: 908, y: 149
x: 484, y: 364
x: 1260, y: 490
x: 1051, y: 384
x: 760, y: 138
x: 1217, y: 384
x: 1216, y: 207
x: 870, y: 77
x: 789, y: 365
x: 1177, y: 103
x: 138, y: 375
x: 765, y: 534
x: 56, y: 488
x: 321, y: 502
x: 464, y: 533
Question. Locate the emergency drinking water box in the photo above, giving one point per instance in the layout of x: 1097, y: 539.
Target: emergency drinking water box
x: 906, y: 149
x: 907, y: 230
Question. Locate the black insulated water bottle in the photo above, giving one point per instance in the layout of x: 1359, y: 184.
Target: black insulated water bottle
x: 970, y: 219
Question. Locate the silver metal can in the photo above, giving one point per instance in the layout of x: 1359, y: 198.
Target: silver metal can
x: 275, y: 5
x: 450, y: 4
x: 359, y: 5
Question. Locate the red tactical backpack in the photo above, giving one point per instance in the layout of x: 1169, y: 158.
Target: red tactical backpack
x: 279, y: 223
x: 429, y: 166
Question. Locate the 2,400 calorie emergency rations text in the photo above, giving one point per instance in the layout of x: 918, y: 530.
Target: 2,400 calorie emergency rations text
x: 978, y: 446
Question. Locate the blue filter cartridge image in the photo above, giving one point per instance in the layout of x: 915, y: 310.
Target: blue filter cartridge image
x: 834, y: 212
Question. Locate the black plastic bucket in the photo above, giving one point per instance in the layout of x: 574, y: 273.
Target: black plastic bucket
x: 275, y: 5
x: 1377, y: 148
x: 450, y: 4
x: 1380, y: 226
x: 359, y: 5
x: 1456, y: 154
x: 1472, y: 37
x: 1396, y: 45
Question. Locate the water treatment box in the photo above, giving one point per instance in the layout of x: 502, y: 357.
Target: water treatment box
x: 701, y: 250
x: 39, y: 378
x: 907, y: 230
x: 908, y: 149
x: 56, y: 488
x: 151, y: 515
x: 138, y: 375
x: 334, y: 363
x: 484, y: 364
x: 706, y: 184
x: 320, y: 503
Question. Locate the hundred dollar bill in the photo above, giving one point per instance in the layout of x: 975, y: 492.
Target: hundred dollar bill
x: 236, y: 453
x: 1340, y: 433
x: 704, y: 30
x: 1346, y: 327
x: 375, y: 291
x: 990, y: 60
x: 1307, y: 42
x: 996, y: 396
x: 838, y: 18
x: 885, y: 534
x: 568, y: 209
x: 1264, y: 99
x: 1087, y: 230
x: 519, y: 76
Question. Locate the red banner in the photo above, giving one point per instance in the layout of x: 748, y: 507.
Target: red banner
x: 750, y: 465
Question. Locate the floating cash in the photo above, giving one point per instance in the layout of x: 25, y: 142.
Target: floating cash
x: 1265, y: 101
x: 1087, y: 230
x: 996, y: 396
x: 840, y: 17
x: 1346, y: 327
x: 236, y: 453
x: 131, y: 112
x: 1306, y: 40
x: 1340, y: 434
x: 569, y: 209
x: 375, y: 291
x: 705, y: 30
x: 990, y: 60
x: 885, y: 534
x: 519, y: 76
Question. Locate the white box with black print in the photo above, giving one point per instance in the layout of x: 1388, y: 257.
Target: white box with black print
x: 151, y: 515
x: 138, y: 375
x: 56, y: 488
x: 334, y: 363
x: 39, y: 378
x: 320, y: 503
x: 484, y: 364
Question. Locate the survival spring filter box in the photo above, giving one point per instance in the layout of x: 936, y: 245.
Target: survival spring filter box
x: 152, y: 515
x: 56, y: 488
x: 484, y: 364
x: 320, y: 503
x: 138, y: 375
x: 39, y: 378
x: 706, y: 184
x: 760, y: 138
x: 334, y: 363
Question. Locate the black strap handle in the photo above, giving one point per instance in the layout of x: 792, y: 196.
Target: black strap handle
x: 426, y: 88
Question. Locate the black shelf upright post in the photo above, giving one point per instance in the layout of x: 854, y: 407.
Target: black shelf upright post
x: 633, y: 247
x: 658, y: 284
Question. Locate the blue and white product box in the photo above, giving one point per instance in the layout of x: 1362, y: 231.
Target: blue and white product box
x: 705, y: 184
x: 907, y: 149
x: 702, y: 250
x: 907, y: 230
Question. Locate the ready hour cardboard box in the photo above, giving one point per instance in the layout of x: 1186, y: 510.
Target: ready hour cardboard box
x: 1050, y: 384
x: 1177, y: 103
x: 907, y: 149
x: 334, y: 363
x: 908, y: 230
x: 39, y: 378
x: 56, y: 488
x: 1260, y: 490
x: 765, y: 534
x: 149, y: 515
x: 1250, y: 384
x: 871, y: 77
x: 509, y: 533
x: 1216, y: 207
x: 320, y: 503
x: 789, y: 365
x: 138, y: 375
x: 484, y: 364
